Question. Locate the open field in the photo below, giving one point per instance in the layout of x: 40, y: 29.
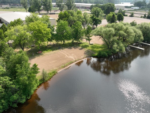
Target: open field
x: 17, y: 9
x: 14, y: 9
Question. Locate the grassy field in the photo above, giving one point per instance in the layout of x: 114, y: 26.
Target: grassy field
x: 17, y: 9
x: 14, y: 9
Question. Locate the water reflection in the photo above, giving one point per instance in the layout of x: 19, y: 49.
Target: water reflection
x: 138, y: 99
x: 106, y: 66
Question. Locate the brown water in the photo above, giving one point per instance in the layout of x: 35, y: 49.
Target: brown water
x: 97, y: 86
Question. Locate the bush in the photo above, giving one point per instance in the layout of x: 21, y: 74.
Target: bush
x: 104, y: 53
x: 133, y: 23
x: 144, y: 16
x: 120, y: 17
x: 6, y: 8
x: 132, y: 14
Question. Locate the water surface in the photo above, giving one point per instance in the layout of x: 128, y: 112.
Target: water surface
x: 96, y: 86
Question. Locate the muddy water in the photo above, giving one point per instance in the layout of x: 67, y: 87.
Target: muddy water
x: 97, y: 86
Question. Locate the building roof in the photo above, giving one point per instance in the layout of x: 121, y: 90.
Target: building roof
x: 11, y: 16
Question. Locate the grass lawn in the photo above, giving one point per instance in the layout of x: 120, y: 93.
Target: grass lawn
x: 14, y: 9
x: 17, y: 9
x: 95, y: 47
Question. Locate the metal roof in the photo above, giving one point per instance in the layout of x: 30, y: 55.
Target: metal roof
x: 11, y: 16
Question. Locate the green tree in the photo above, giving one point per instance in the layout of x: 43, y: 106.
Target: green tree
x: 145, y: 28
x: 24, y: 3
x: 3, y: 46
x: 109, y: 8
x: 47, y: 5
x: 96, y: 17
x: 111, y: 18
x: 120, y: 17
x: 39, y: 32
x: 20, y: 35
x: 32, y: 18
x: 63, y: 31
x: 148, y: 15
x: 70, y: 4
x: 117, y: 36
x: 4, y: 28
x: 70, y: 16
x: 132, y: 14
x: 60, y: 4
x: 88, y: 33
x: 15, y: 23
x: 122, y: 12
x: 77, y: 31
x: 86, y: 19
x: 1, y: 35
x: 37, y: 5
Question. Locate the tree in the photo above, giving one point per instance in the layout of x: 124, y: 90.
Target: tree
x: 117, y: 36
x: 19, y: 35
x: 132, y: 14
x: 37, y: 5
x: 111, y: 18
x: 3, y: 47
x: 109, y: 8
x: 15, y: 23
x: 140, y: 3
x: 24, y: 3
x: 4, y: 28
x: 19, y: 81
x: 88, y: 33
x: 120, y: 17
x: 47, y: 4
x: 39, y: 32
x: 1, y: 35
x: 60, y: 4
x: 70, y: 4
x: 32, y: 18
x: 145, y: 28
x: 86, y: 19
x: 96, y: 16
x: 148, y: 15
x: 77, y: 31
x: 63, y: 31
x: 122, y: 12
x: 70, y: 16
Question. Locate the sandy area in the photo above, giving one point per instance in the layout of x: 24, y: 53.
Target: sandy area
x: 95, y: 40
x: 56, y: 59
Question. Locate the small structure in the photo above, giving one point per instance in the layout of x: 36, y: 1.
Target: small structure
x: 11, y: 16
x: 5, y: 6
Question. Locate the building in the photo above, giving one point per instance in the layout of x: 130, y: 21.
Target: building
x: 11, y: 16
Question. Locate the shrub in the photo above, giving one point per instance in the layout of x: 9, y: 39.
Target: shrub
x: 133, y: 23
x: 132, y: 14
x: 105, y: 53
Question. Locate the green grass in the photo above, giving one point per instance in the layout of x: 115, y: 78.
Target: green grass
x: 48, y: 77
x: 95, y: 48
x: 14, y: 9
x: 65, y: 65
x: 17, y: 9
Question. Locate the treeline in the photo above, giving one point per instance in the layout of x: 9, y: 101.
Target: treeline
x: 54, y: 1
x: 17, y: 78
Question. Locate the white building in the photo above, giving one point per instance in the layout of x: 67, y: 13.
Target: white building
x: 11, y: 16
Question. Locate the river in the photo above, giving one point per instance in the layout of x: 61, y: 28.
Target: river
x: 96, y: 86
